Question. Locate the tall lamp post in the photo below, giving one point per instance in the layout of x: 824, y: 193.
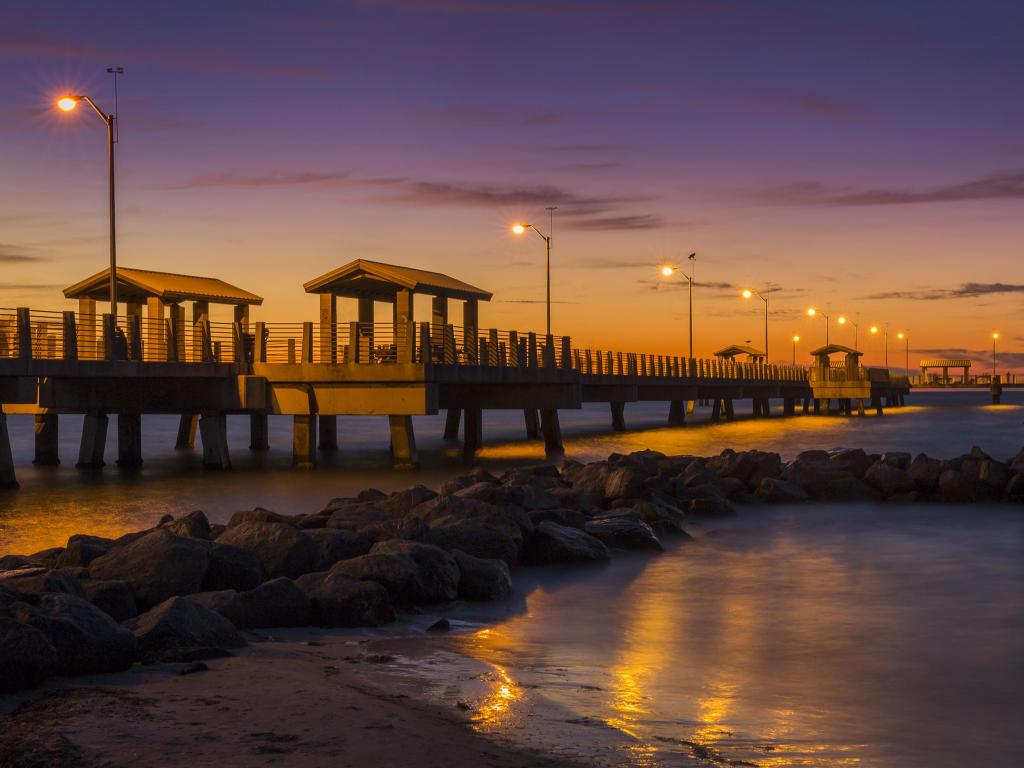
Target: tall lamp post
x: 667, y: 271
x: 748, y: 293
x: 843, y: 320
x: 812, y: 312
x: 885, y: 338
x: 795, y: 340
x: 520, y: 229
x: 68, y: 103
x: 995, y: 335
x: 905, y: 338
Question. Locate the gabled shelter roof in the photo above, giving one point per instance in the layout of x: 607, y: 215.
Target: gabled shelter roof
x: 363, y: 278
x: 831, y: 349
x: 141, y: 284
x: 738, y: 349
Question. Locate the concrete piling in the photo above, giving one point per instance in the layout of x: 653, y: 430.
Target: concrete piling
x: 46, y: 439
x: 94, y: 439
x: 552, y: 430
x: 677, y: 412
x: 8, y: 479
x: 259, y: 433
x: 532, y: 421
x: 129, y: 440
x: 403, y: 442
x: 304, y: 441
x: 451, y: 424
x: 618, y: 416
x: 328, y: 429
x: 472, y: 431
x: 187, y: 425
x: 213, y: 429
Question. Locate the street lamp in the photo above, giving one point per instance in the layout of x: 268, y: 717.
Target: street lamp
x: 843, y: 320
x: 667, y: 271
x: 885, y: 337
x: 795, y: 340
x: 812, y: 312
x: 748, y: 293
x: 905, y: 338
x: 68, y: 104
x: 995, y: 335
x: 519, y: 229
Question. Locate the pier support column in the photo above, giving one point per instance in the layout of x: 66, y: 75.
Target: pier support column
x: 304, y: 442
x: 677, y: 412
x: 213, y: 428
x: 94, y: 439
x: 552, y: 430
x: 129, y: 440
x: 403, y: 443
x: 807, y: 404
x: 997, y: 390
x: 729, y: 412
x: 472, y: 431
x: 186, y: 440
x: 328, y: 428
x: 8, y: 480
x: 259, y: 437
x: 716, y: 409
x: 618, y: 416
x: 46, y: 439
x: 532, y: 421
x: 691, y: 406
x: 788, y: 406
x: 451, y: 424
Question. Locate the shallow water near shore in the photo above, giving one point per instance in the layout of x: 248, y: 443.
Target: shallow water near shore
x: 864, y: 635
x: 56, y: 502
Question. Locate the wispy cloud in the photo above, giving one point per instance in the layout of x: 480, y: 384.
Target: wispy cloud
x: 261, y: 180
x: 11, y: 254
x: 999, y: 186
x: 963, y: 291
x: 614, y: 223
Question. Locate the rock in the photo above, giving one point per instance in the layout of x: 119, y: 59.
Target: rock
x: 47, y: 557
x: 825, y: 483
x: 38, y: 580
x: 570, y: 498
x: 334, y: 544
x: 193, y: 525
x: 157, y: 566
x: 398, y: 573
x: 220, y: 601
x: 371, y: 494
x: 709, y: 506
x: 813, y: 457
x: 356, y: 516
x: 746, y: 466
x: 662, y: 513
x: 889, y: 479
x: 341, y: 601
x: 571, y: 517
x: 526, y: 496
x: 16, y: 562
x: 258, y: 515
x: 400, y: 502
x: 26, y: 656
x: 994, y: 473
x: 82, y: 550
x: 232, y: 568
x: 313, y: 522
x: 282, y: 550
x: 277, y: 603
x: 777, y: 491
x: 438, y: 579
x: 554, y: 543
x: 925, y: 471
x: 852, y: 460
x: 474, y: 526
x: 86, y: 639
x: 1014, y: 490
x: 216, y: 529
x: 623, y: 531
x: 180, y: 628
x: 114, y: 598
x: 482, y: 578
x: 1017, y: 463
x: 958, y: 487
x: 441, y: 625
x: 733, y: 488
x: 898, y: 459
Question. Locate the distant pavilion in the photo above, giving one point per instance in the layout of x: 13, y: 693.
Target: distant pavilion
x: 735, y: 350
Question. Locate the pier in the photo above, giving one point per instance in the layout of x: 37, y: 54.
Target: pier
x: 54, y: 363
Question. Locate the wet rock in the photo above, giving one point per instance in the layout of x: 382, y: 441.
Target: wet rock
x: 396, y: 572
x: 925, y: 471
x: 82, y: 550
x: 399, y: 503
x: 475, y: 527
x: 282, y: 549
x: 709, y: 506
x: 114, y: 598
x: 958, y: 487
x: 334, y: 544
x: 898, y: 459
x: 441, y: 625
x: 777, y: 491
x: 623, y: 531
x: 157, y: 566
x: 258, y: 515
x: 661, y: 512
x: 889, y: 479
x: 554, y: 543
x: 358, y: 516
x: 86, y: 639
x: 482, y: 578
x: 47, y: 557
x: 38, y: 580
x: 26, y: 656
x: 571, y: 517
x: 527, y: 496
x: 193, y: 525
x: 438, y: 575
x: 733, y: 488
x: 180, y: 628
x: 813, y: 457
x: 276, y: 603
x: 746, y: 466
x: 852, y: 460
x: 994, y: 473
x: 232, y: 568
x: 1014, y: 490
x: 16, y: 562
x: 339, y: 600
x: 825, y: 483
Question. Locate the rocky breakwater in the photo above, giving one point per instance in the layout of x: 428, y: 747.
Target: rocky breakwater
x: 187, y: 589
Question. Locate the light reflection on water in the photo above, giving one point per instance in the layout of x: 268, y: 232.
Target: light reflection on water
x: 55, y: 502
x: 861, y: 635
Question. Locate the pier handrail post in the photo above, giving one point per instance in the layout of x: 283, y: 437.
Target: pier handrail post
x: 24, y: 321
x: 171, y: 333
x: 307, y: 342
x: 108, y: 336
x: 135, y: 350
x: 549, y: 351
x: 238, y: 339
x: 531, y: 350
x: 70, y: 336
x: 259, y: 353
x: 450, y: 356
x: 513, y: 349
x: 206, y: 340
x: 567, y: 354
x: 354, y: 344
x: 426, y: 350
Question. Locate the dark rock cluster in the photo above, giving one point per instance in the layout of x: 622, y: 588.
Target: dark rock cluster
x: 187, y: 590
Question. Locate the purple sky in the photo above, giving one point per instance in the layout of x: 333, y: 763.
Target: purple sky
x: 864, y: 154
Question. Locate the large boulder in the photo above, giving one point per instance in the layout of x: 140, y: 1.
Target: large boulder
x: 960, y: 487
x: 397, y: 573
x: 180, y: 628
x: 749, y: 467
x: 258, y: 515
x: 662, y: 513
x: 282, y: 549
x: 362, y: 517
x: 400, y: 502
x: 826, y: 483
x: 925, y: 472
x: 338, y: 600
x: 82, y: 550
x: 1014, y: 490
x: 777, y: 491
x: 194, y: 525
x: 571, y: 517
x: 38, y: 580
x: 438, y: 574
x: 114, y: 598
x: 482, y: 578
x: 277, y: 603
x: 26, y: 655
x: 334, y: 544
x: 17, y: 562
x: 86, y: 639
x: 528, y: 494
x: 852, y: 460
x: 157, y: 566
x: 474, y: 526
x: 621, y: 529
x: 554, y: 543
x: 889, y: 479
x: 232, y: 568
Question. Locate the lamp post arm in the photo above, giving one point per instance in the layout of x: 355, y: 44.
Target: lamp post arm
x: 543, y: 237
x: 103, y: 115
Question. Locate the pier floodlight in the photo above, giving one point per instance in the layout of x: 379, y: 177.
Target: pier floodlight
x: 68, y: 102
x: 519, y: 228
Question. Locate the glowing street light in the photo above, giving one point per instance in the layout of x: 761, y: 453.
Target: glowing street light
x: 905, y: 338
x: 795, y: 340
x: 667, y: 271
x: 995, y: 335
x: 843, y: 320
x: 519, y: 229
x: 748, y: 293
x: 885, y: 335
x: 812, y: 312
x: 67, y: 104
